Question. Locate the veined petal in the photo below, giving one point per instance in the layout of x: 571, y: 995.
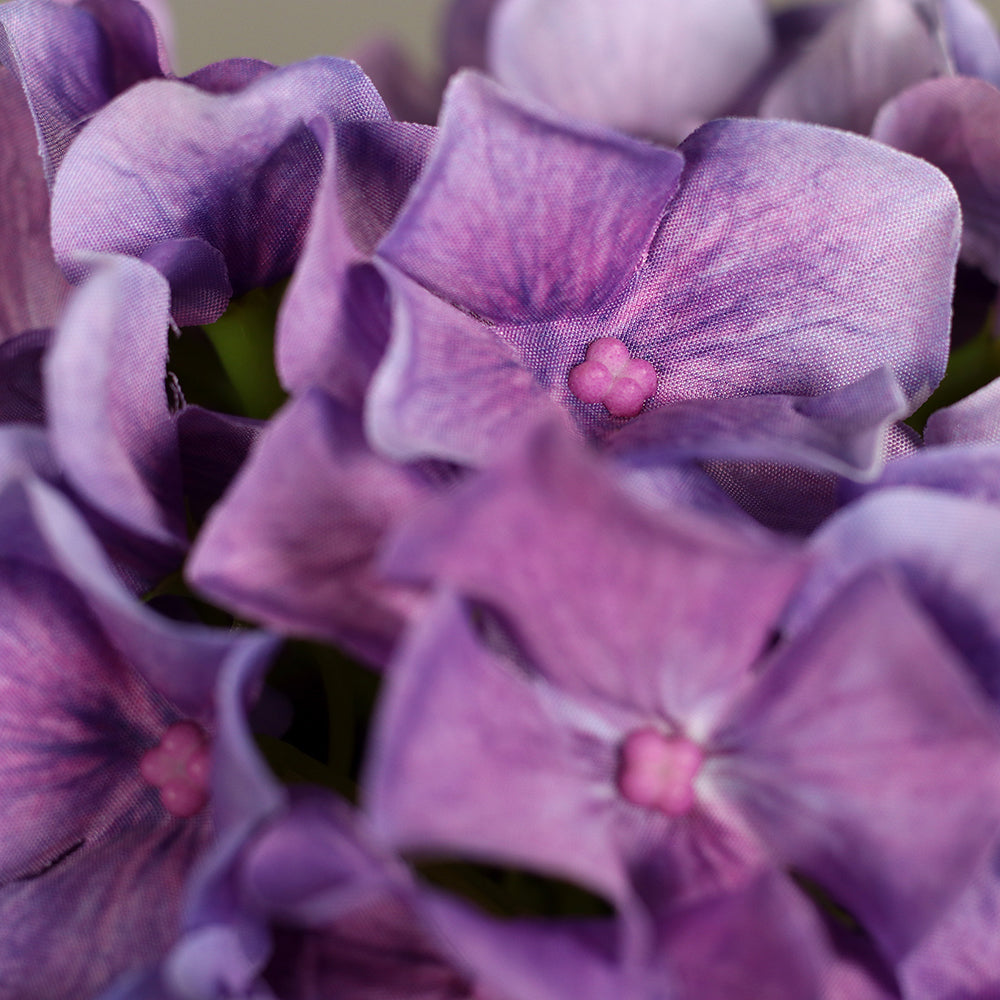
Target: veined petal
x: 522, y: 216
x: 70, y: 60
x: 76, y: 720
x: 111, y: 906
x: 795, y: 259
x: 457, y: 717
x: 448, y: 387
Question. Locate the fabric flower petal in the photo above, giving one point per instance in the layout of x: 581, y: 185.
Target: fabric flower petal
x: 972, y: 39
x: 115, y: 437
x: 71, y: 60
x: 842, y: 431
x: 795, y: 259
x: 447, y: 387
x: 974, y: 419
x: 21, y: 394
x: 953, y: 123
x: 850, y: 744
x: 32, y: 288
x: 538, y: 539
x: 293, y: 543
x: 523, y: 216
x: 868, y: 52
x: 947, y: 548
x: 643, y: 66
x: 236, y: 170
x: 551, y: 815
x: 330, y: 329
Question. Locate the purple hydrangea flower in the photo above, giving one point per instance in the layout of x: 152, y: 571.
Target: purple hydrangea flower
x: 627, y: 726
x: 493, y: 318
x: 110, y: 742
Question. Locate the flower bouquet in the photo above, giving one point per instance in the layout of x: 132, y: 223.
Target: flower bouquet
x: 530, y: 533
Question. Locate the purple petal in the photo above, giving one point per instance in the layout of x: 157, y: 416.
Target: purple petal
x: 110, y: 906
x: 315, y: 863
x: 961, y: 956
x: 332, y: 328
x: 32, y: 288
x: 407, y: 93
x: 199, y: 281
x: 643, y: 66
x: 244, y: 790
x: 553, y: 532
x: 454, y: 718
x: 531, y: 959
x: 133, y: 38
x: 945, y: 547
x: 213, y: 448
x: 868, y: 52
x: 68, y: 64
x: 844, y: 753
x: 76, y: 718
x: 522, y: 216
x: 842, y: 431
x: 229, y: 76
x: 762, y: 940
x: 953, y: 123
x: 795, y: 259
x: 377, y: 164
x: 293, y: 543
x: 466, y: 24
x: 181, y: 664
x: 973, y: 420
x: 115, y: 437
x: 972, y: 39
x: 249, y: 168
x: 972, y: 471
x: 448, y: 387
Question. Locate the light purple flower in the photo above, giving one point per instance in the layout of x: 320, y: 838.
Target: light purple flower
x: 647, y: 67
x: 619, y: 711
x: 772, y: 262
x: 104, y: 814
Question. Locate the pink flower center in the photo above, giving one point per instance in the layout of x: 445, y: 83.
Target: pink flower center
x: 609, y: 375
x: 179, y: 768
x: 658, y: 771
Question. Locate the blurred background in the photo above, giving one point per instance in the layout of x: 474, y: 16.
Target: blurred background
x: 283, y: 31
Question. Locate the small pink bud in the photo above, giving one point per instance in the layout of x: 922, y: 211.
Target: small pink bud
x: 610, y: 376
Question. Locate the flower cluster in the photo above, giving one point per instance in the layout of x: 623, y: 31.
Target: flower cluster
x: 548, y: 554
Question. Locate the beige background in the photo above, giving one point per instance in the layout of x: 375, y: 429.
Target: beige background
x: 285, y: 30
